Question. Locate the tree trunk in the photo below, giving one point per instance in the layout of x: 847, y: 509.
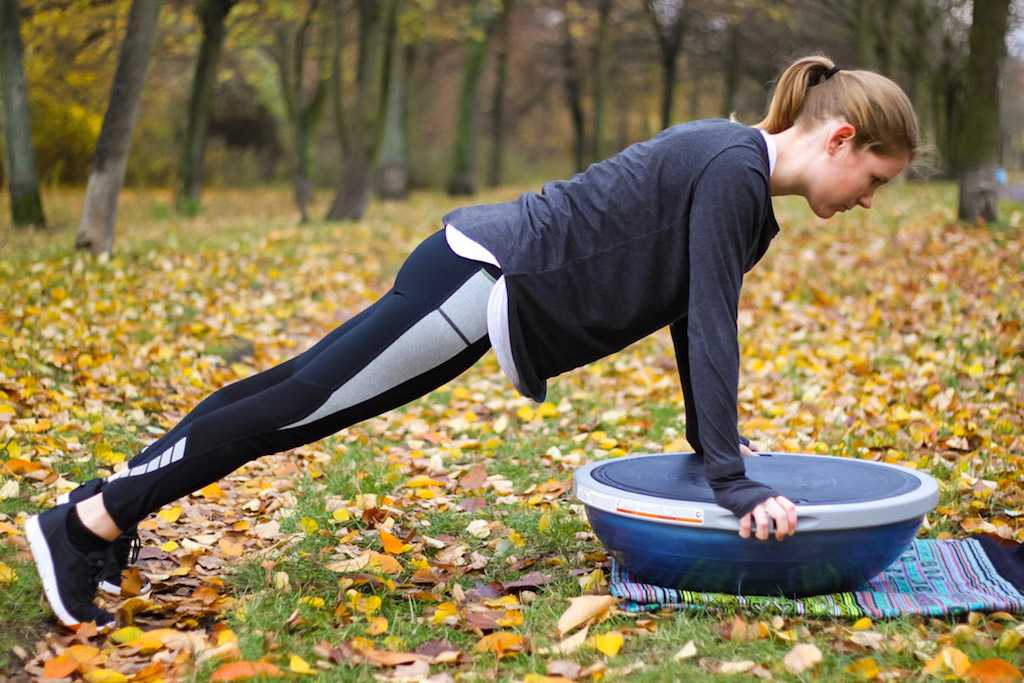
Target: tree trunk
x: 96, y: 230
x: 19, y: 159
x: 867, y: 41
x: 597, y: 150
x: 462, y: 180
x: 695, y: 95
x: 574, y: 95
x: 496, y: 173
x: 732, y: 69
x: 212, y: 14
x: 393, y: 174
x: 361, y: 125
x: 980, y: 135
x: 668, y: 17
x: 303, y: 108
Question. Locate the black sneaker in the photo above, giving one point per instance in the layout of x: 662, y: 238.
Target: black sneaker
x: 69, y: 577
x: 123, y: 551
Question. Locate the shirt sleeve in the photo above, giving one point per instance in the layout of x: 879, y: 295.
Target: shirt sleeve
x: 725, y: 209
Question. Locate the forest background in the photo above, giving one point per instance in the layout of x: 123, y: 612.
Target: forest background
x: 460, y: 94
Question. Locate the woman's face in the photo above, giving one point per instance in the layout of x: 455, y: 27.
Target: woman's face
x: 845, y: 176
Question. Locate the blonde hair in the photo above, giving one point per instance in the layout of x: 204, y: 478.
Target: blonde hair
x: 878, y: 108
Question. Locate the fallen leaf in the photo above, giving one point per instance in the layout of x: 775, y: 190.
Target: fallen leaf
x: 297, y: 664
x: 608, y: 643
x: 105, y: 676
x: 865, y: 668
x: 583, y: 609
x: 501, y: 643
x: 240, y: 671
x: 61, y: 666
x: 687, y: 651
x: 736, y: 667
x: 392, y: 544
x: 565, y: 668
x: 378, y: 625
x: 474, y: 478
x: 126, y: 635
x: 993, y: 671
x: 802, y: 657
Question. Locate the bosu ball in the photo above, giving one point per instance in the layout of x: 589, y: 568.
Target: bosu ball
x: 657, y: 516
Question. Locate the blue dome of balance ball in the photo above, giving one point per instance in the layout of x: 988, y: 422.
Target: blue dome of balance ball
x: 657, y: 516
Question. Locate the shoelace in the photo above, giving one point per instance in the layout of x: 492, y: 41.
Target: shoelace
x: 127, y: 547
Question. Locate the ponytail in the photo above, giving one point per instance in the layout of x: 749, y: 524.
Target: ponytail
x: 812, y: 90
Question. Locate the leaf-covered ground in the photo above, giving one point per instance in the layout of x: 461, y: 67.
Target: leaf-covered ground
x: 441, y: 540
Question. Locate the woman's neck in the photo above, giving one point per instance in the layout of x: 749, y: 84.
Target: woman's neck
x: 795, y: 149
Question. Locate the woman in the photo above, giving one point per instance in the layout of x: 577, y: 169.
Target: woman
x: 660, y: 234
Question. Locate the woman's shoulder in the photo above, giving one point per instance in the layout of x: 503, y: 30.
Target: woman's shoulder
x: 721, y: 143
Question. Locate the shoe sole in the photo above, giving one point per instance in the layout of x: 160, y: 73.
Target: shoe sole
x: 114, y: 590
x: 44, y: 565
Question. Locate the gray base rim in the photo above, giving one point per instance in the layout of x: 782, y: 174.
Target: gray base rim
x: 913, y: 504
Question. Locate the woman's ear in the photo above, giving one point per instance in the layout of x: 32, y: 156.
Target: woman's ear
x: 839, y: 133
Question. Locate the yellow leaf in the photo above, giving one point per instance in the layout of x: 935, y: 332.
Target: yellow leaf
x: 444, y: 611
x: 226, y: 635
x: 511, y: 619
x: 309, y: 525
x: 7, y: 574
x: 105, y: 676
x: 126, y: 634
x: 299, y: 665
x: 169, y: 546
x: 582, y: 610
x: 170, y: 515
x: 392, y: 544
x: 862, y: 624
x: 956, y: 660
x: 211, y: 491
x: 609, y: 643
x: 865, y: 668
x: 544, y: 523
x: 378, y: 625
x: 365, y: 604
x: 422, y: 480
x: 525, y: 413
x: 13, y: 449
x: 313, y: 601
x: 341, y: 515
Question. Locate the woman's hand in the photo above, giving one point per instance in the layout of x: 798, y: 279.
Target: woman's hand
x: 778, y: 509
x: 748, y: 451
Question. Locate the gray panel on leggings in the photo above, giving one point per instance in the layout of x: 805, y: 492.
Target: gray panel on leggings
x: 467, y: 307
x: 426, y: 345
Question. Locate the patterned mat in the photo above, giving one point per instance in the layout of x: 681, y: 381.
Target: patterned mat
x: 930, y: 577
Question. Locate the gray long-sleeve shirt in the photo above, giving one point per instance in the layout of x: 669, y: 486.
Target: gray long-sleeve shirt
x: 659, y: 234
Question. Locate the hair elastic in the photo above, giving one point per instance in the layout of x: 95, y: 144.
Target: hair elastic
x: 832, y: 72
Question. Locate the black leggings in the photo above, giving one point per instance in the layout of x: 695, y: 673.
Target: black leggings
x: 428, y: 329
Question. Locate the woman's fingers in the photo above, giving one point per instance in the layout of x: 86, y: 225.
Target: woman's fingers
x: 763, y: 525
x: 745, y: 525
x: 780, y: 516
x: 780, y: 510
x: 747, y: 452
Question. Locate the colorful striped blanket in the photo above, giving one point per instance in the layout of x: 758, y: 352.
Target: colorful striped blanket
x: 931, y: 577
